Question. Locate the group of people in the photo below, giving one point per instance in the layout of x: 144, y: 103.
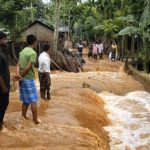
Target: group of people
x: 26, y: 77
x: 96, y: 50
x: 26, y: 73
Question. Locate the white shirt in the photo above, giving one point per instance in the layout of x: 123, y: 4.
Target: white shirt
x: 80, y: 46
x: 100, y: 48
x: 44, y: 62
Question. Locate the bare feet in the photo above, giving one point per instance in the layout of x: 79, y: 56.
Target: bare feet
x: 4, y: 130
x: 43, y: 98
x: 25, y: 117
x: 38, y: 121
x: 1, y: 126
x: 47, y: 99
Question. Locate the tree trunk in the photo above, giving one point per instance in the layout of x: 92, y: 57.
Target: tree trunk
x: 57, y: 17
x: 13, y: 52
x: 132, y: 48
x: 122, y: 50
x: 32, y: 11
x: 146, y: 59
x: 69, y: 23
x: 123, y: 40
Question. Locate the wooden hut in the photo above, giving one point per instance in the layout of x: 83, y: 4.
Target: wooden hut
x: 43, y: 32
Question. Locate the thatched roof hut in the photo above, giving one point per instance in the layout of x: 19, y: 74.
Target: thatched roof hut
x: 43, y: 32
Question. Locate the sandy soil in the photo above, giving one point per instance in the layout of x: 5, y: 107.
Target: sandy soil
x: 75, y: 117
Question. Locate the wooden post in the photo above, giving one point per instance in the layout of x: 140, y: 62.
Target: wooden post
x: 13, y: 51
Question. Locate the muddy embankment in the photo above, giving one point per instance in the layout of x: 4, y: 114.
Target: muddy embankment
x: 75, y: 117
x: 140, y: 76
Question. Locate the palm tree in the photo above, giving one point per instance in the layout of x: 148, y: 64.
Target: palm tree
x: 144, y: 25
x: 57, y: 17
x: 130, y: 31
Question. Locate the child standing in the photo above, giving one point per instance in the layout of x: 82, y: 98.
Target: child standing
x: 25, y: 69
x: 44, y: 72
x: 95, y: 50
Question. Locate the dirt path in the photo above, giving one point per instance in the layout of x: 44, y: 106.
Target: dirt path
x: 75, y: 117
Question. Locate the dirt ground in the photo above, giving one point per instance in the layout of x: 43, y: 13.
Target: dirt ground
x: 75, y: 117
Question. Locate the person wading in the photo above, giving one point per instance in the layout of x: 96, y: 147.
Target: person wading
x: 25, y: 69
x: 4, y: 78
x: 44, y: 73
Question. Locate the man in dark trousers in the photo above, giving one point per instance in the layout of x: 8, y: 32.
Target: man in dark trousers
x: 80, y: 48
x: 4, y: 77
x: 44, y: 73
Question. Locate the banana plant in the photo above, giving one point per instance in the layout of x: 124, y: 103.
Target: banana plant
x: 145, y: 28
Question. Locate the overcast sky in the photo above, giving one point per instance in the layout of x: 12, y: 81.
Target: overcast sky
x: 46, y: 1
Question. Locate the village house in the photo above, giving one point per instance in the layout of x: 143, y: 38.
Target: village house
x: 43, y: 32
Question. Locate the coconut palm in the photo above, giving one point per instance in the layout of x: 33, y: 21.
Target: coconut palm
x: 57, y: 17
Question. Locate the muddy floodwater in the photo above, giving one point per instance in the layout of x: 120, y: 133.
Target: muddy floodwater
x: 101, y: 108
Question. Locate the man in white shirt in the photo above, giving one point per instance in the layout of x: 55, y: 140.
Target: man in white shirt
x: 44, y: 73
x: 100, y: 50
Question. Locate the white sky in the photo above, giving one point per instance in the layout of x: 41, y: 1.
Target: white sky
x: 46, y: 1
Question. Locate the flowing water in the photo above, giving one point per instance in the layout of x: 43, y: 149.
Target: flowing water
x: 77, y: 118
x: 130, y: 120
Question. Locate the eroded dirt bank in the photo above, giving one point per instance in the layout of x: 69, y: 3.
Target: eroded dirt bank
x: 75, y: 117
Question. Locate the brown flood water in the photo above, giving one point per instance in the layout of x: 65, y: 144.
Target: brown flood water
x: 75, y: 118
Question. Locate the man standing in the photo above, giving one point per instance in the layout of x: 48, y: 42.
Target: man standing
x: 25, y: 69
x: 44, y: 73
x: 90, y: 50
x: 80, y: 48
x: 4, y: 78
x: 100, y: 50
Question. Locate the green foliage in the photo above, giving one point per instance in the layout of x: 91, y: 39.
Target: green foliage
x: 107, y: 26
x: 17, y: 14
x: 127, y: 19
x: 130, y: 30
x: 86, y: 20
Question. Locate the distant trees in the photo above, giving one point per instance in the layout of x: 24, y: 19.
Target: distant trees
x: 16, y: 14
x: 124, y: 20
x: 127, y: 21
x: 9, y: 11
